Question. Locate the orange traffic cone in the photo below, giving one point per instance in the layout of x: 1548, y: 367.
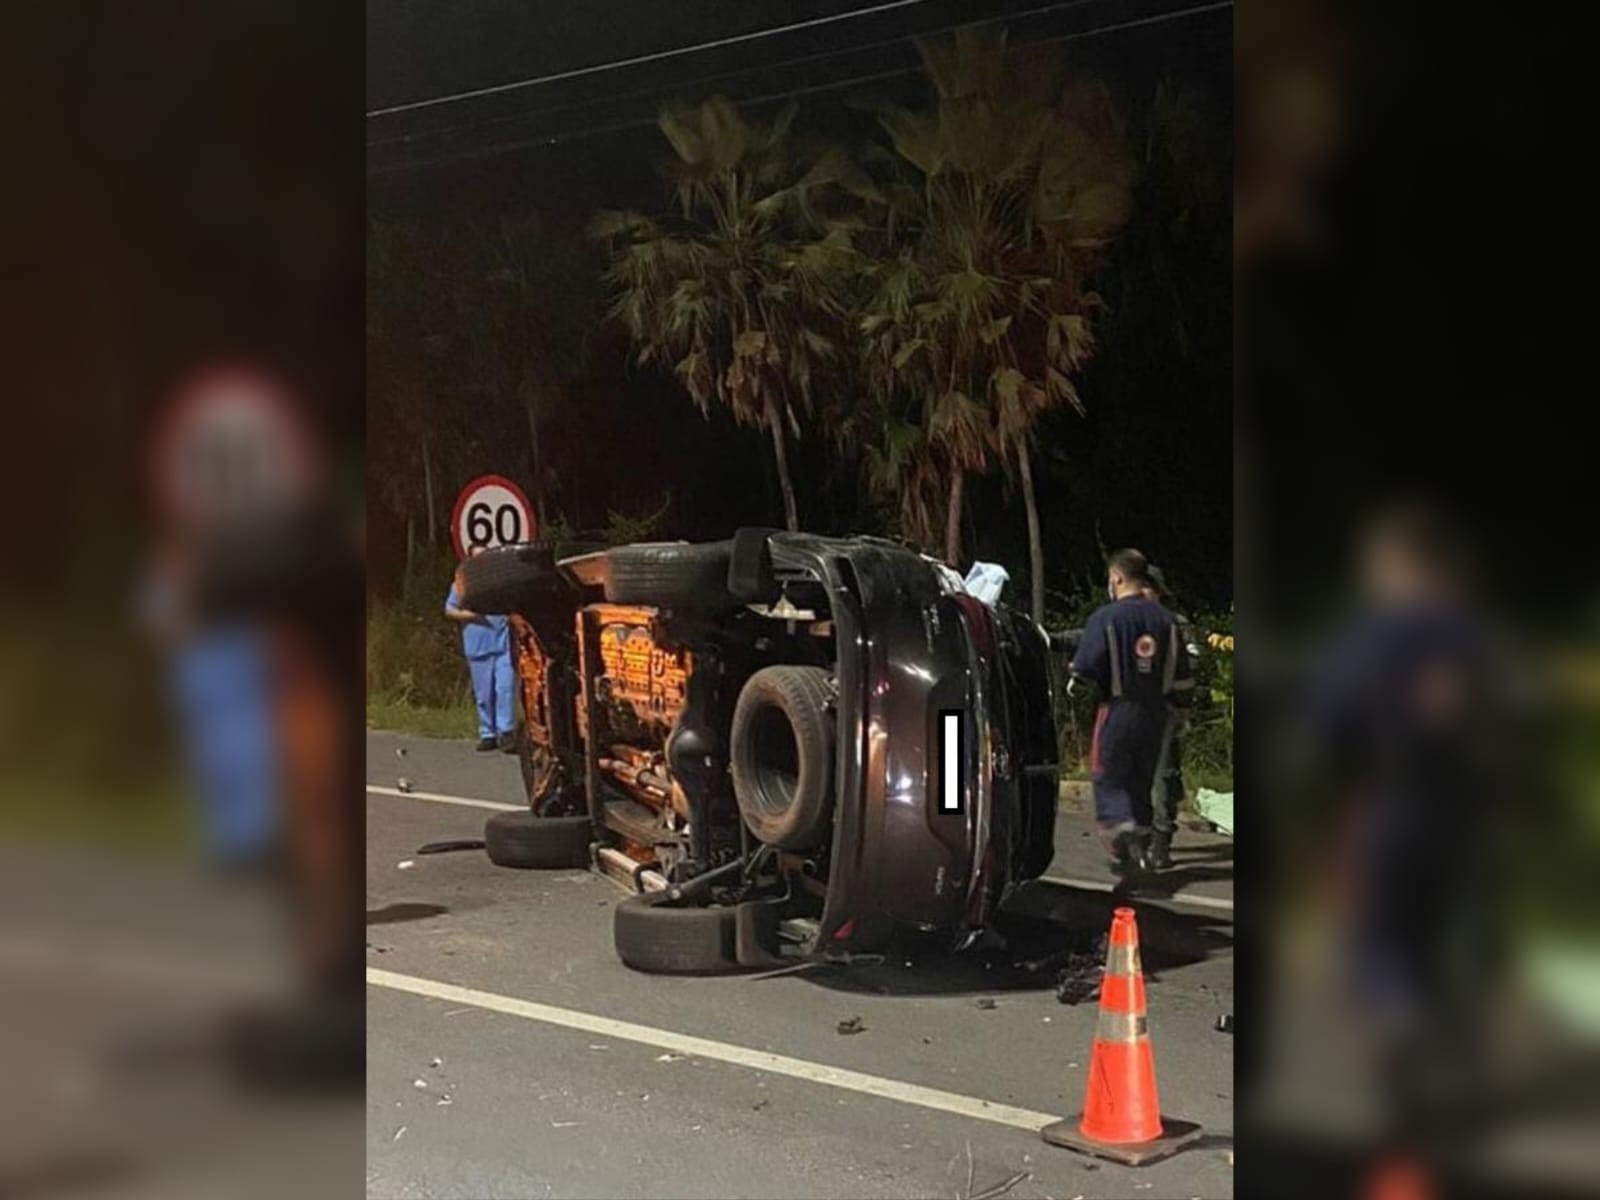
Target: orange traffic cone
x: 1121, y: 1118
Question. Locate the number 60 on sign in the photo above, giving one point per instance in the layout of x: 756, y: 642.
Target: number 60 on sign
x: 491, y: 511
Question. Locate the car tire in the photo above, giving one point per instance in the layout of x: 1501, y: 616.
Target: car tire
x: 782, y: 755
x: 524, y: 841
x: 653, y: 934
x: 508, y: 579
x: 680, y: 575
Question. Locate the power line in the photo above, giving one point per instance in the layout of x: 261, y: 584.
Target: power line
x: 732, y: 73
x: 578, y: 72
x: 834, y: 85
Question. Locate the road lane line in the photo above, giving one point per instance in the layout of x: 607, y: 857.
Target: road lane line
x: 441, y: 798
x: 741, y: 1056
x: 1100, y: 885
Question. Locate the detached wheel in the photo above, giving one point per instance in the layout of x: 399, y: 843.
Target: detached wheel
x: 680, y: 575
x: 782, y: 755
x: 520, y: 839
x: 655, y: 935
x: 508, y: 579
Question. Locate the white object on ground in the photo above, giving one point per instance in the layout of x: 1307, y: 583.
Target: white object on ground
x: 1216, y: 807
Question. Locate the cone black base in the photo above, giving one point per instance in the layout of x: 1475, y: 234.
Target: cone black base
x: 1175, y: 1135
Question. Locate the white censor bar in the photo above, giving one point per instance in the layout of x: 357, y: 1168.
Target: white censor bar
x: 950, y: 762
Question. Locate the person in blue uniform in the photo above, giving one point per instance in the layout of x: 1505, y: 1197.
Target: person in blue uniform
x: 1132, y: 651
x: 486, y: 642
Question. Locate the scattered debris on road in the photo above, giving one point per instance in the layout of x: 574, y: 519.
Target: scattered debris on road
x: 1224, y: 1023
x: 443, y: 1102
x: 670, y: 1058
x: 759, y: 1105
x: 985, y: 1003
x: 405, y: 864
x: 1079, y: 978
x: 398, y: 1132
x: 420, y: 1084
x: 1000, y: 1189
x: 562, y: 1124
x: 403, y: 784
x: 399, y: 751
x: 851, y: 1025
x: 450, y: 845
x: 437, y: 1062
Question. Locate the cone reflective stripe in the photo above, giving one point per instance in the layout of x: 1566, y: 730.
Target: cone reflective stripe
x: 1121, y: 1116
x: 1120, y: 1104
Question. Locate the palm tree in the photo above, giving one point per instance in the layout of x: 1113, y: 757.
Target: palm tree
x: 735, y: 290
x: 1000, y: 199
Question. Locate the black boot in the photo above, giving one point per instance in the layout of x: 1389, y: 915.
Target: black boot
x: 1122, y: 848
x: 486, y: 744
x: 1160, y: 855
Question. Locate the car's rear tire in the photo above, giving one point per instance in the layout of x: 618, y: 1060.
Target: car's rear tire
x: 782, y: 755
x: 681, y: 575
x: 525, y: 841
x: 509, y: 579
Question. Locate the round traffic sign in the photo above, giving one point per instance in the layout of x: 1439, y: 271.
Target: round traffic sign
x: 491, y: 511
x: 229, y: 445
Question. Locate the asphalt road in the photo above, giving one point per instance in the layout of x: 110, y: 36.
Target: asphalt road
x: 511, y: 1054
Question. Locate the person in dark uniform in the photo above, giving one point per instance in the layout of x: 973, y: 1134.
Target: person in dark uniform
x: 1169, y: 763
x: 1130, y: 649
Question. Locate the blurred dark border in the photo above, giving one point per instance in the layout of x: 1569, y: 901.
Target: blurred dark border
x: 1408, y: 252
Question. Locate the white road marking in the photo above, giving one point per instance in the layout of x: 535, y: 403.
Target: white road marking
x: 741, y: 1056
x: 1100, y: 885
x: 441, y: 798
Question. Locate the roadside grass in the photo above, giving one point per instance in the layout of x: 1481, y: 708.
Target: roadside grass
x: 399, y: 715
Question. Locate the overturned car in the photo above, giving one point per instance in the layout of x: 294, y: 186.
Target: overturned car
x: 785, y: 744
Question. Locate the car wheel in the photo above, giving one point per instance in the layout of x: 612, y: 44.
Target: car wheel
x: 509, y: 578
x: 653, y: 934
x: 681, y: 575
x: 782, y: 755
x: 520, y: 839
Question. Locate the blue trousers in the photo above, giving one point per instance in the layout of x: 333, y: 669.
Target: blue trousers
x: 1122, y: 761
x: 494, y: 688
x: 221, y: 681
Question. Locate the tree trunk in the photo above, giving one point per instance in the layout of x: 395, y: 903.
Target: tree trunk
x: 952, y: 520
x: 775, y: 423
x: 1035, y: 545
x: 529, y: 400
x: 427, y: 489
x: 411, y: 548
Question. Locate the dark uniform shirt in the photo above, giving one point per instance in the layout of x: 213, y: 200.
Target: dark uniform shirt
x: 1133, y: 650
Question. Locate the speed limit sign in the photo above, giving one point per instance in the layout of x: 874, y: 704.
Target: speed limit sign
x: 491, y: 511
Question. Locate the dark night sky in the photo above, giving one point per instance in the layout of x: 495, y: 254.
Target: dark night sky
x: 1153, y: 463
